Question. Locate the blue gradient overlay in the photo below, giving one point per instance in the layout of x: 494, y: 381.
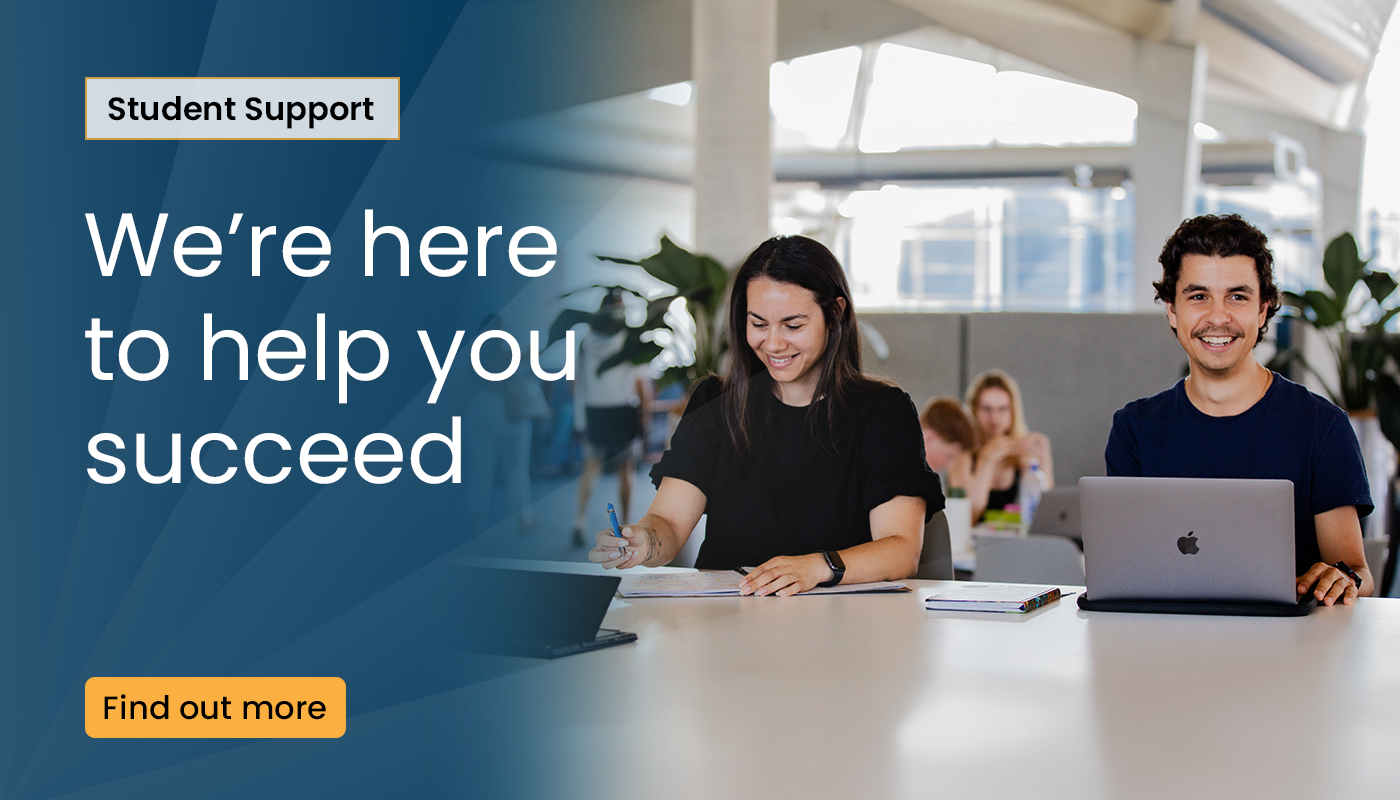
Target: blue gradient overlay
x: 243, y: 578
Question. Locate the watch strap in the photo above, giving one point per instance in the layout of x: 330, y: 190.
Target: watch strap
x: 838, y: 567
x: 1351, y: 573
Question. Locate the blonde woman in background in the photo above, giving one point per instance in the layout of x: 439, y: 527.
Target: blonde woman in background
x: 992, y: 473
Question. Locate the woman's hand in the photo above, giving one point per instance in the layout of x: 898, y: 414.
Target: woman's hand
x: 638, y: 543
x: 659, y: 535
x: 1035, y: 447
x: 785, y: 576
x: 998, y: 449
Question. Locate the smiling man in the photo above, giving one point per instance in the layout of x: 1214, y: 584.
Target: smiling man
x: 1232, y: 418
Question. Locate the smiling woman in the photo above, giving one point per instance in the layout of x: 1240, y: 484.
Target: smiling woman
x: 788, y: 332
x: 803, y: 465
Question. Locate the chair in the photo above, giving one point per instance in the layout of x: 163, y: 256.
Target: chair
x: 1383, y: 570
x: 1046, y: 558
x: 936, y: 557
x: 686, y: 557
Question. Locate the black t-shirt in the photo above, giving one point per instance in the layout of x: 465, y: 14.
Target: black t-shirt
x: 998, y: 499
x: 1290, y: 433
x: 793, y: 496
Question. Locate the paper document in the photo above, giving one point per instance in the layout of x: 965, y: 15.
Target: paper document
x: 720, y: 583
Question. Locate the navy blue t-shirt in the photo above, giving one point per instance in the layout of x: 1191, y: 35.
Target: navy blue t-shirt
x: 1290, y: 434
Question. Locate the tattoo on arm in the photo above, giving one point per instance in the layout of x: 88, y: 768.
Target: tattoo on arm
x: 653, y: 544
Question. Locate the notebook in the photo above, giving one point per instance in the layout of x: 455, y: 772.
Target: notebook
x: 1012, y: 598
x: 1189, y: 545
x: 534, y: 614
x: 725, y: 583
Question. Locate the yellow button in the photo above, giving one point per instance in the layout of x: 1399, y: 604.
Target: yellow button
x: 214, y: 708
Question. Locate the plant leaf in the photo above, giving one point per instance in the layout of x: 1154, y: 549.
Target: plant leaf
x: 702, y: 281
x: 1381, y: 285
x: 701, y: 295
x: 1379, y: 325
x: 656, y: 313
x: 686, y: 263
x: 1342, y: 267
x: 1326, y: 310
x: 1368, y: 353
x: 567, y: 319
x: 672, y: 265
x: 619, y: 287
x: 616, y: 260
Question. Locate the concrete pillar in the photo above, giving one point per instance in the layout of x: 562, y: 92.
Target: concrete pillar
x: 1340, y: 166
x: 1166, y: 160
x: 734, y: 43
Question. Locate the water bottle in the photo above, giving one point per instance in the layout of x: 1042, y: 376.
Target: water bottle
x: 1033, y: 484
x: 958, y: 510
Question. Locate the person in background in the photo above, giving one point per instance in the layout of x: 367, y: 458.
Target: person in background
x: 992, y: 473
x: 499, y: 417
x: 808, y: 472
x: 948, y: 433
x: 609, y: 410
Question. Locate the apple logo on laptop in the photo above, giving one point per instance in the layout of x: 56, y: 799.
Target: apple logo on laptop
x: 1187, y: 544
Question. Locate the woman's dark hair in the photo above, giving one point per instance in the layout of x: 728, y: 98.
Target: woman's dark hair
x: 805, y: 263
x: 1220, y: 237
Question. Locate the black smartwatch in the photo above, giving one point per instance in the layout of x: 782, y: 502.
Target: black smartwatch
x: 1351, y: 573
x: 838, y: 567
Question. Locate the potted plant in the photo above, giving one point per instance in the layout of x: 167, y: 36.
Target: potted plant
x: 1352, y: 324
x: 699, y: 337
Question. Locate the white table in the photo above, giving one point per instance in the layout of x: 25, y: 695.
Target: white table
x: 874, y: 696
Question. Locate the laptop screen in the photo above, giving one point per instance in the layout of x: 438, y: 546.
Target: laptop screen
x: 521, y: 607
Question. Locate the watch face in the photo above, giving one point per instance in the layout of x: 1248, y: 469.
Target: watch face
x: 1351, y: 573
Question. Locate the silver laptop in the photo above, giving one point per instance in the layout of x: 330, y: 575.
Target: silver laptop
x: 1058, y: 513
x: 1193, y: 539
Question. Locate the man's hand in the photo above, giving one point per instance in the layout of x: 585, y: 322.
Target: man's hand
x: 1332, y: 584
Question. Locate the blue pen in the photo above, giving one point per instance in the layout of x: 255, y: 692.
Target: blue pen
x: 617, y: 530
